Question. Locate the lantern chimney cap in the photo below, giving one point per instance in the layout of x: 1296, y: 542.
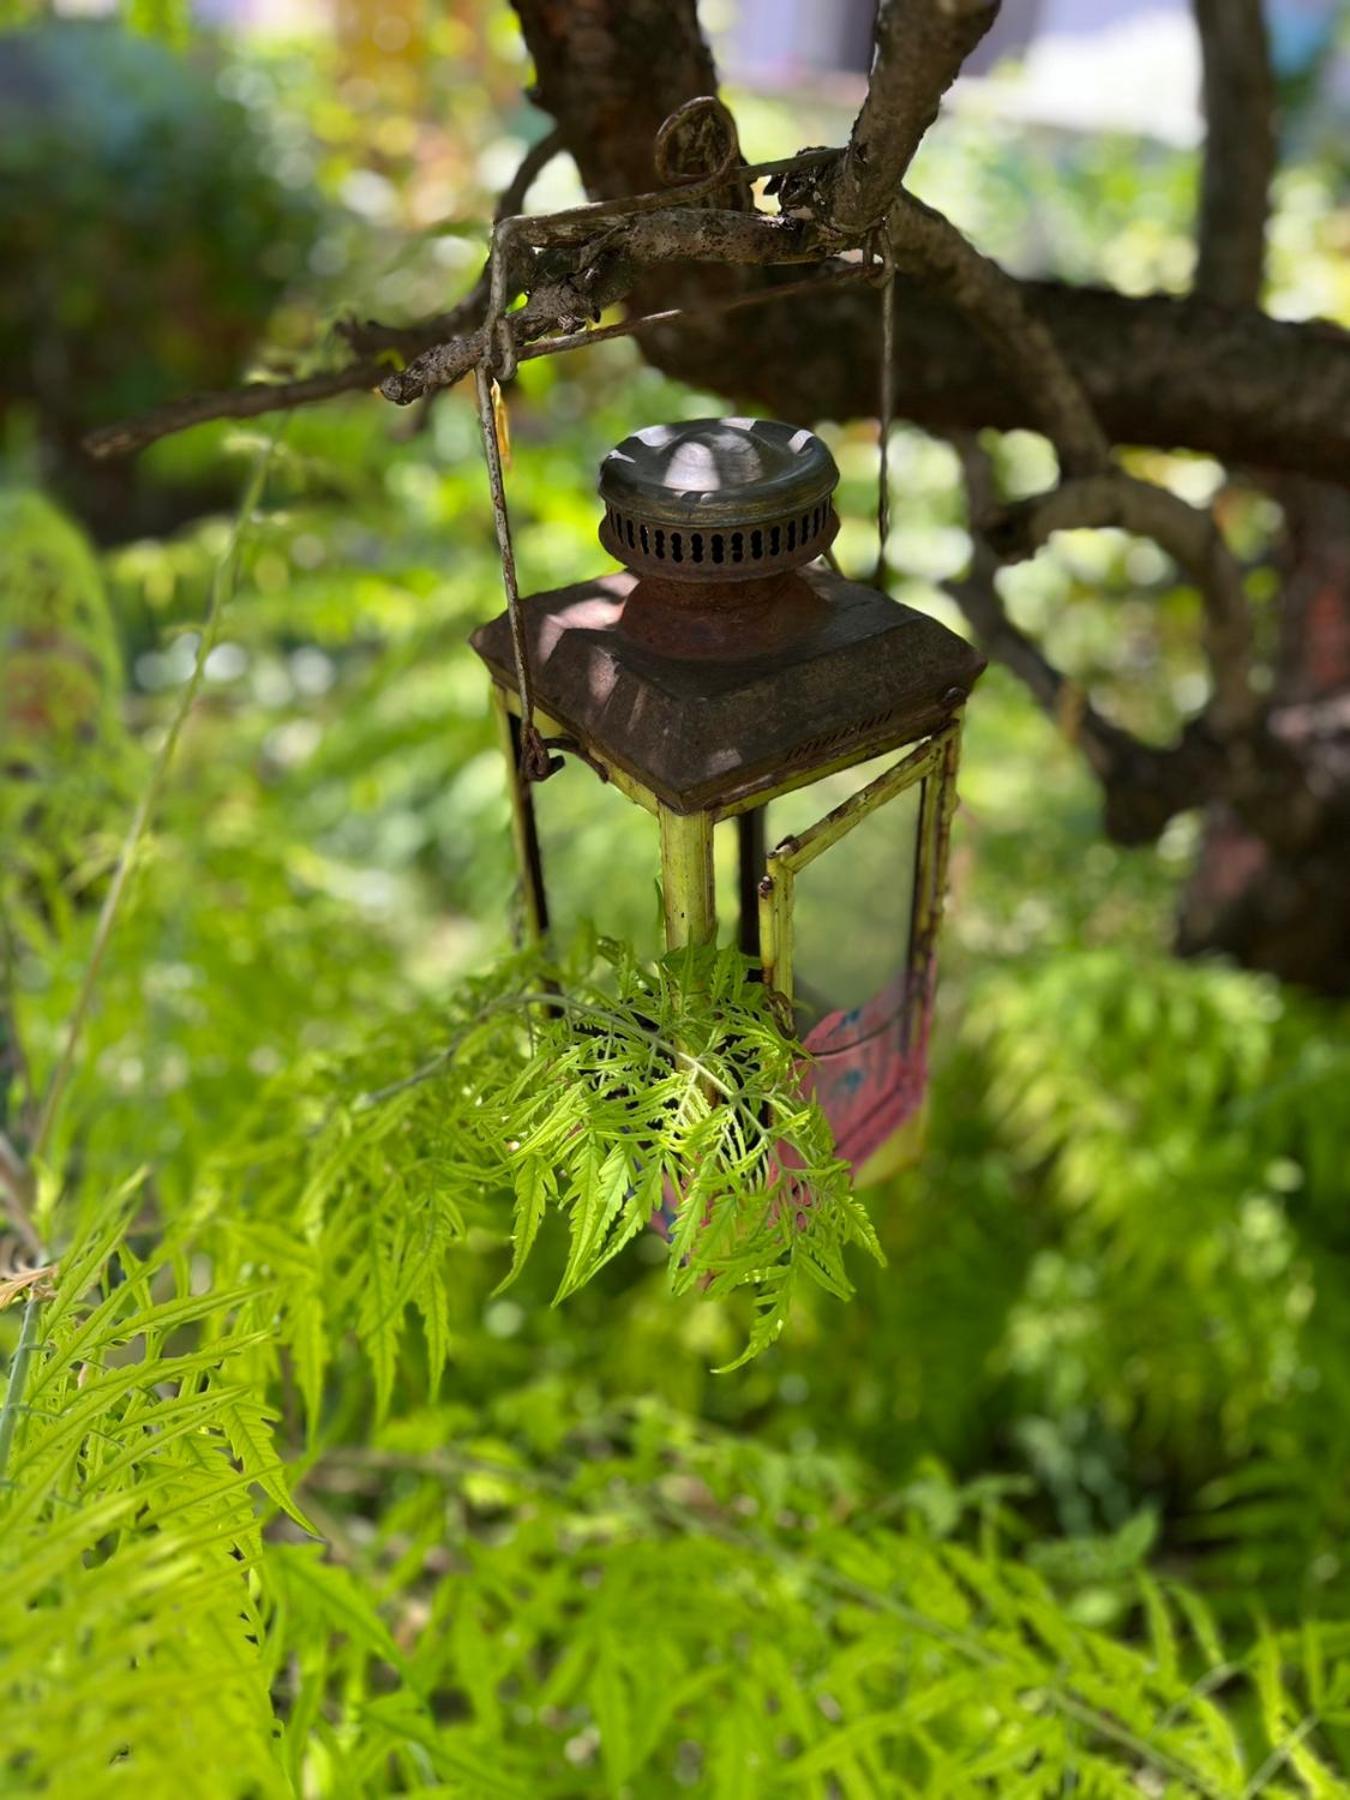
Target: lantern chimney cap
x: 718, y: 499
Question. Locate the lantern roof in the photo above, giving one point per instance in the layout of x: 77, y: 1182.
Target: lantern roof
x: 727, y: 658
x: 718, y: 500
x: 706, y: 706
x: 718, y: 471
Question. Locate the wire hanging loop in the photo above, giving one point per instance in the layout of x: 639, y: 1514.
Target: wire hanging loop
x: 880, y: 247
x: 701, y: 130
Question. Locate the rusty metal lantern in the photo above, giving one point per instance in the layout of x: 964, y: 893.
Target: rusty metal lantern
x: 727, y: 672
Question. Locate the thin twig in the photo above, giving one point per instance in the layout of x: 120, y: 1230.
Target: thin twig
x: 222, y: 584
x: 979, y: 599
x: 1189, y: 534
x: 16, y: 1179
x: 13, y: 1056
x: 1279, y: 1756
x: 927, y: 246
x: 1145, y: 785
x: 247, y: 402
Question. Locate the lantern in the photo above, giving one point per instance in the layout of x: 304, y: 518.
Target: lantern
x: 728, y: 674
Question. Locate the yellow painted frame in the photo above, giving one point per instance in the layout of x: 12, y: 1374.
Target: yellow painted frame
x: 687, y: 883
x: 932, y: 764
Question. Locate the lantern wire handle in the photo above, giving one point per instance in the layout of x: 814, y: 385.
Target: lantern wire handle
x: 535, y: 762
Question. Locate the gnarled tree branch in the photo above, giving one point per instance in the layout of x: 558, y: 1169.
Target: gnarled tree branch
x: 1190, y: 536
x: 928, y: 247
x: 1239, y: 160
x: 1143, y: 785
x: 606, y: 269
x: 250, y: 401
x: 1155, y: 370
x: 920, y: 47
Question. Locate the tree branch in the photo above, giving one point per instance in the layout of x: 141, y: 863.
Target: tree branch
x: 1177, y: 373
x: 606, y: 269
x: 920, y: 46
x: 610, y: 73
x: 247, y: 402
x: 974, y: 346
x: 118, y: 888
x: 1240, y: 150
x: 1253, y: 771
x: 1188, y: 534
x: 1172, y: 372
x: 929, y: 247
x: 1143, y: 786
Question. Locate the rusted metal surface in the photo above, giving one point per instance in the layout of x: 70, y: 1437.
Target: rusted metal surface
x: 718, y: 501
x: 707, y: 706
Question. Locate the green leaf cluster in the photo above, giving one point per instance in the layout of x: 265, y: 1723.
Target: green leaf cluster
x: 130, y: 1449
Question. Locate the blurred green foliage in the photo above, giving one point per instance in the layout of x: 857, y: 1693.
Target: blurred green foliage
x: 945, y: 1538
x: 147, y: 238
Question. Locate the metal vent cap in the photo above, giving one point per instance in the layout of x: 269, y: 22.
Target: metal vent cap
x: 718, y: 499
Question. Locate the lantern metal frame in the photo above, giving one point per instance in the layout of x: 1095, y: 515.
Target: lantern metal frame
x: 768, y: 876
x: 530, y: 737
x: 686, y: 837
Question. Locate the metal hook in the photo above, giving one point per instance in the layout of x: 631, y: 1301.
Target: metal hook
x: 701, y: 112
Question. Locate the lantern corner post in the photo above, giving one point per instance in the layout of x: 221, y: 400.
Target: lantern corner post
x: 775, y: 923
x: 688, y: 895
x: 938, y: 809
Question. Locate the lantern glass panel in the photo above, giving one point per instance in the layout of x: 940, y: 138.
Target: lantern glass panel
x: 853, y: 906
x: 601, y: 856
x: 726, y: 867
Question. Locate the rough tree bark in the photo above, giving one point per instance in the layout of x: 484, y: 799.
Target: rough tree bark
x: 1090, y: 368
x: 1272, y: 906
x: 1274, y: 875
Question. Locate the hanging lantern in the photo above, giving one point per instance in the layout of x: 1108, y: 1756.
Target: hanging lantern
x: 727, y: 674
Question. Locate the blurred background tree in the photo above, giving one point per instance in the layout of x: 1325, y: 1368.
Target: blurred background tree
x: 1238, y: 372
